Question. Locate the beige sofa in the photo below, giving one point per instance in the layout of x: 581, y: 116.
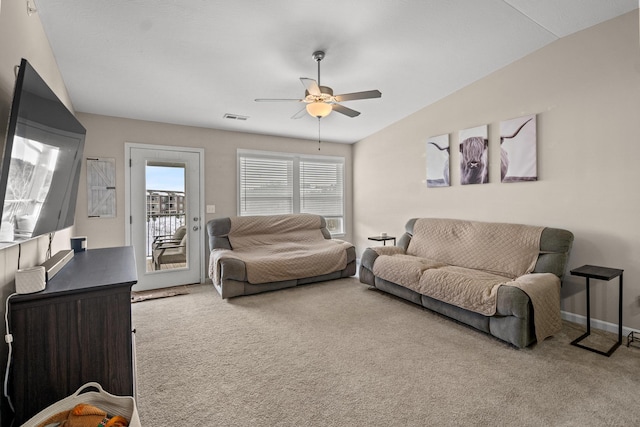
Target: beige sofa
x: 503, y: 279
x: 253, y: 254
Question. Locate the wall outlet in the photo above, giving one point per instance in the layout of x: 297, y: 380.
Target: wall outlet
x: 211, y: 209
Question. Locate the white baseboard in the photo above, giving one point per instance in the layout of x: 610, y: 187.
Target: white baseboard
x: 596, y: 324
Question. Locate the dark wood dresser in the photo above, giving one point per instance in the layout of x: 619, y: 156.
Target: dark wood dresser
x: 76, y: 330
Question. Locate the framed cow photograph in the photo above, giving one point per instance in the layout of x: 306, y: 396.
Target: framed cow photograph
x: 438, y: 161
x: 518, y: 148
x: 474, y: 156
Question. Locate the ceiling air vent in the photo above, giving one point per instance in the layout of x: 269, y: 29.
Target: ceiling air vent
x: 235, y: 117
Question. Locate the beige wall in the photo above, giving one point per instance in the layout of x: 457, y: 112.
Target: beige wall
x: 106, y: 137
x: 585, y: 90
x: 22, y: 36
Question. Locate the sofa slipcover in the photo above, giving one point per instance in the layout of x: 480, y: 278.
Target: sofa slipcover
x: 253, y: 254
x: 513, y: 319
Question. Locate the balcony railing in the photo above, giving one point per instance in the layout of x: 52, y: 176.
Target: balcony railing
x: 159, y: 224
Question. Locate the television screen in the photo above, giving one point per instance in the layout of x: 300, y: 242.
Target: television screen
x: 41, y: 162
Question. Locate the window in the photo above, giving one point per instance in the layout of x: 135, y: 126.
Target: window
x: 322, y: 190
x: 279, y: 183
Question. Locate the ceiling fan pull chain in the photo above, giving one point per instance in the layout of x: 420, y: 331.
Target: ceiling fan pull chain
x: 318, y: 133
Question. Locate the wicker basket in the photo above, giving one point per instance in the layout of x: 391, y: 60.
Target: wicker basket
x: 124, y: 406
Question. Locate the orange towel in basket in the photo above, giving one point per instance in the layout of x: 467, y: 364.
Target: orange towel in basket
x: 83, y: 415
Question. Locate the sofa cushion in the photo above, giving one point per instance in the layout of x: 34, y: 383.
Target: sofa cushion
x: 405, y: 270
x: 293, y: 260
x: 509, y: 250
x: 277, y: 248
x: 252, y: 231
x: 470, y: 289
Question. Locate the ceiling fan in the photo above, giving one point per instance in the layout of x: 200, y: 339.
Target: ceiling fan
x: 321, y: 101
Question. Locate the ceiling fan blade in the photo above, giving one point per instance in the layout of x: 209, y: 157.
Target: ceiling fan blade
x: 300, y: 113
x: 311, y: 86
x: 358, y: 95
x: 277, y: 100
x: 344, y: 110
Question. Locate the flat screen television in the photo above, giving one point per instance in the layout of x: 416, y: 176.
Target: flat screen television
x: 41, y: 162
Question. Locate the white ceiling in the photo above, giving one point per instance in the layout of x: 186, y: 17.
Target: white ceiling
x: 191, y: 61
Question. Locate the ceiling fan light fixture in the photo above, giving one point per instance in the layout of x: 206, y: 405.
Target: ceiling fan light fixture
x: 321, y: 101
x: 319, y: 109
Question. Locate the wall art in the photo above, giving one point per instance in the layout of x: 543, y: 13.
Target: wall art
x: 438, y: 161
x: 474, y: 157
x: 518, y: 146
x: 101, y: 188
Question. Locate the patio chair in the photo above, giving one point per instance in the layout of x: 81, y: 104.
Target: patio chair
x: 169, y: 248
x: 174, y: 238
x: 169, y: 252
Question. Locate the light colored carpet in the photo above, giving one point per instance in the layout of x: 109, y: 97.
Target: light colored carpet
x: 341, y: 354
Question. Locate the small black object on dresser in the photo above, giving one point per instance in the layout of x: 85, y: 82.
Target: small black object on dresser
x: 75, y: 331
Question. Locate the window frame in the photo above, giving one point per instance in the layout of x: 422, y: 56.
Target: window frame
x: 296, y: 159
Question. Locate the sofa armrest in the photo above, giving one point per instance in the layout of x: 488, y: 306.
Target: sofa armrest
x: 368, y: 258
x: 513, y: 301
x: 366, y: 267
x: 370, y: 254
x: 234, y: 269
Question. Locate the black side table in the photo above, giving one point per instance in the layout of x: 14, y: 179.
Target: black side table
x: 383, y: 239
x: 601, y: 273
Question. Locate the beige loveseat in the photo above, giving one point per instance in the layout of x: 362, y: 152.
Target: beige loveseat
x: 253, y: 254
x: 503, y: 279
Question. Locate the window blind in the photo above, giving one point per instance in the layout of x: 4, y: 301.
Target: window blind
x: 321, y: 188
x: 272, y: 184
x: 266, y: 186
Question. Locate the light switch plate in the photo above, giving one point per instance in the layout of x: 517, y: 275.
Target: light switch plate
x: 211, y: 209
